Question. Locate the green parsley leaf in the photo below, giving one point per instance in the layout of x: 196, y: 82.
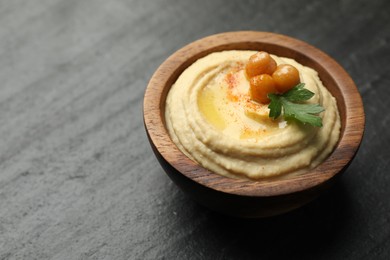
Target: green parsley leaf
x: 303, y: 112
x: 275, y: 106
x: 290, y: 103
x: 298, y: 93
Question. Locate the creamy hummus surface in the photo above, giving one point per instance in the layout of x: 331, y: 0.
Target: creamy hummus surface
x: 212, y: 119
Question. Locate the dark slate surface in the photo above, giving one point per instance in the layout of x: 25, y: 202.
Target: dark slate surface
x: 78, y: 179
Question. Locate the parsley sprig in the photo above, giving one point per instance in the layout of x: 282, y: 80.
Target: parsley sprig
x: 290, y: 103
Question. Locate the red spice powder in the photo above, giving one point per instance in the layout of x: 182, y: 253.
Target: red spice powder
x: 231, y: 80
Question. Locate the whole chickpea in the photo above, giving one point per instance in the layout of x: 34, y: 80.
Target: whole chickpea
x: 260, y: 63
x: 260, y: 87
x: 285, y: 77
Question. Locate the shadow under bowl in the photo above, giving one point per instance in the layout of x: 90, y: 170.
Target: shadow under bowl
x: 245, y: 198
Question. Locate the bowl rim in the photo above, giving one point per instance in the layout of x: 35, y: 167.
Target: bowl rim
x: 172, y: 67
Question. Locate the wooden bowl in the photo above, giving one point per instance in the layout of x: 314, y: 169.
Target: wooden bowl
x: 242, y: 197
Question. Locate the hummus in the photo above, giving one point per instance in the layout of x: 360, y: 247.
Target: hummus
x: 211, y: 118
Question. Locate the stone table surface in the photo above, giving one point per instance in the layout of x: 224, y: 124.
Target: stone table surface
x: 78, y: 179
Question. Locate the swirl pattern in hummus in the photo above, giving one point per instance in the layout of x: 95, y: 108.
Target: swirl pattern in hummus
x: 210, y: 117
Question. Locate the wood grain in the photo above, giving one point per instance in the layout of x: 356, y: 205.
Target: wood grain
x: 333, y: 76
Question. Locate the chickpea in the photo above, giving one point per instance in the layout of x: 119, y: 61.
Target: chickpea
x: 261, y: 86
x: 285, y: 77
x: 260, y: 63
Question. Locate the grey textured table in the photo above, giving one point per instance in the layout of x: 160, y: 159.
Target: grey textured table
x: 78, y: 179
